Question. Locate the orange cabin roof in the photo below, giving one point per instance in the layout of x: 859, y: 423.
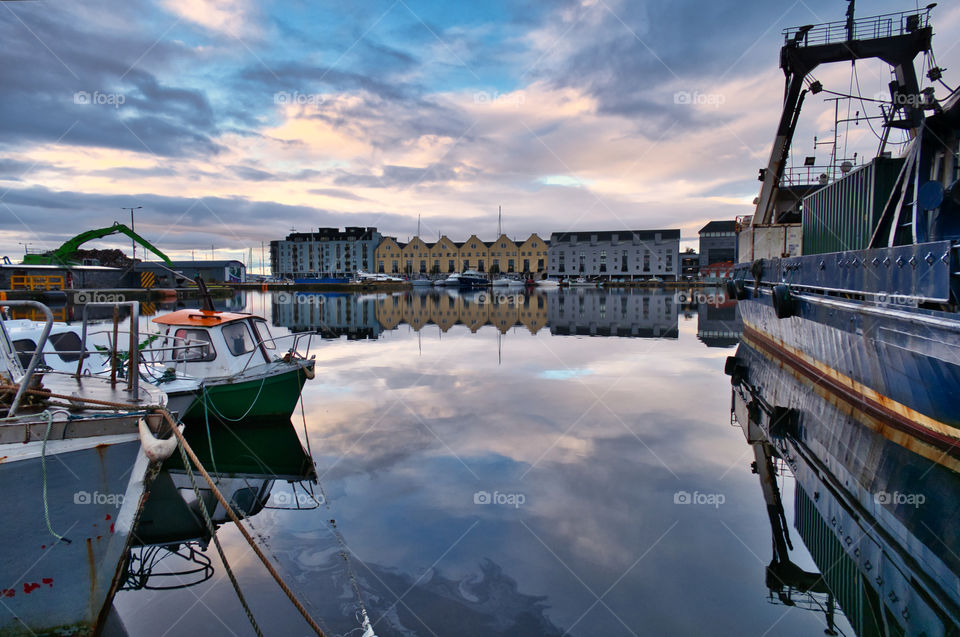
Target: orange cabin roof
x: 199, y: 317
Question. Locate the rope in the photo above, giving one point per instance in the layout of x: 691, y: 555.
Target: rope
x: 43, y: 471
x: 243, y: 531
x: 206, y: 421
x: 216, y: 542
x: 203, y: 390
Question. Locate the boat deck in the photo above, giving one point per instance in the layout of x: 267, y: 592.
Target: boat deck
x: 78, y: 420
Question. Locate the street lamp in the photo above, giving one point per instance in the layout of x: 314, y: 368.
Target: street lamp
x: 133, y: 243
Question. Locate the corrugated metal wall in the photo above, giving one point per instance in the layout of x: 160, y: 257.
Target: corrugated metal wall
x: 843, y: 215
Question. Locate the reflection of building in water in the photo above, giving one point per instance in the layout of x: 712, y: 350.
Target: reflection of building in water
x: 613, y: 313
x: 446, y: 309
x: 877, y: 514
x: 718, y: 324
x: 332, y: 314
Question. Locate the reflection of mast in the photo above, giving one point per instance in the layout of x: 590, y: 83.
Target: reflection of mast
x: 783, y: 577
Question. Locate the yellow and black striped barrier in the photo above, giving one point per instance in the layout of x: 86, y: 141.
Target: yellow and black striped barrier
x: 148, y: 280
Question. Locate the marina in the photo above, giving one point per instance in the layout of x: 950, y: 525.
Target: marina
x: 611, y: 385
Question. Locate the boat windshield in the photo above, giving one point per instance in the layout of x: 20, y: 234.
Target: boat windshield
x: 238, y: 338
x: 196, y: 351
x: 264, y: 333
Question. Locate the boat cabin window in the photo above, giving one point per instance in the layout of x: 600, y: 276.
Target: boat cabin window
x: 195, y: 351
x: 238, y: 338
x: 25, y: 348
x: 68, y: 346
x: 264, y: 333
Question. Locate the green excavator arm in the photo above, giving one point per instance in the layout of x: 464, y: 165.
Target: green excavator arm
x: 65, y: 254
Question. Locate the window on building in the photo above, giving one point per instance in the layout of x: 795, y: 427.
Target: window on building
x: 669, y: 261
x: 396, y: 266
x: 623, y: 261
x: 603, y: 260
x: 510, y: 266
x: 646, y: 261
x: 450, y: 266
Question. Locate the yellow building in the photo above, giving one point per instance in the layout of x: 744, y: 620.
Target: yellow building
x: 533, y: 255
x: 445, y: 256
x: 389, y: 256
x: 416, y: 257
x: 474, y: 255
x: 503, y: 255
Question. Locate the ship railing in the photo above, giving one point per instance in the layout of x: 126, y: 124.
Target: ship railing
x: 296, y: 350
x: 24, y: 381
x: 808, y: 175
x: 133, y: 357
x: 879, y: 26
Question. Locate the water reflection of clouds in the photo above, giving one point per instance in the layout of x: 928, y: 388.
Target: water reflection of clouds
x: 597, y: 457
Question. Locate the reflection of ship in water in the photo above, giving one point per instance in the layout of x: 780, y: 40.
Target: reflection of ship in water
x: 878, y: 518
x: 614, y: 312
x: 249, y: 465
x: 594, y: 312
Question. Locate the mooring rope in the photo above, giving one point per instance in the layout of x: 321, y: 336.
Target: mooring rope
x: 216, y: 542
x: 246, y: 535
x: 43, y: 472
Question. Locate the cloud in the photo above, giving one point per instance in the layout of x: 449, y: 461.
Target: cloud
x: 235, y: 18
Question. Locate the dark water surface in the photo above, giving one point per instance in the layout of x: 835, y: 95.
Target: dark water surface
x: 493, y: 469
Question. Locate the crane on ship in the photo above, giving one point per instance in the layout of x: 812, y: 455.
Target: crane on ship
x: 893, y: 38
x: 66, y: 254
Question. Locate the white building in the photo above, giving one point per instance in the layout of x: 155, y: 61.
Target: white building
x: 326, y: 253
x: 618, y: 254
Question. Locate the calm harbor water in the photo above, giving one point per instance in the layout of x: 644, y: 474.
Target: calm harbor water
x: 498, y: 464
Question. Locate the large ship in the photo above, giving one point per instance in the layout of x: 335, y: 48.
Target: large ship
x: 851, y: 284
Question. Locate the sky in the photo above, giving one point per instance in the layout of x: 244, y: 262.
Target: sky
x: 232, y: 122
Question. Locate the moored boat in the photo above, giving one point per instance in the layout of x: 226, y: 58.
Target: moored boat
x: 75, y: 476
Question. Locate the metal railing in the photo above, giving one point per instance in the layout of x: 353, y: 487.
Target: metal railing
x: 873, y: 27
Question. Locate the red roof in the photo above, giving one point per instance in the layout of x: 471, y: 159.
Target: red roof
x: 199, y: 317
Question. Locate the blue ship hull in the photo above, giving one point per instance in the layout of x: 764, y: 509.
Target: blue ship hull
x: 901, y: 365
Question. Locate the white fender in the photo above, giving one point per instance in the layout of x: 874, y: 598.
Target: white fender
x: 155, y: 449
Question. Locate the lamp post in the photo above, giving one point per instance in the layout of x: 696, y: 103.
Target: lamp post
x: 133, y: 243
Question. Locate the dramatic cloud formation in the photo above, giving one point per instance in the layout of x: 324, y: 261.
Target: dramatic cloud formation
x: 231, y: 121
